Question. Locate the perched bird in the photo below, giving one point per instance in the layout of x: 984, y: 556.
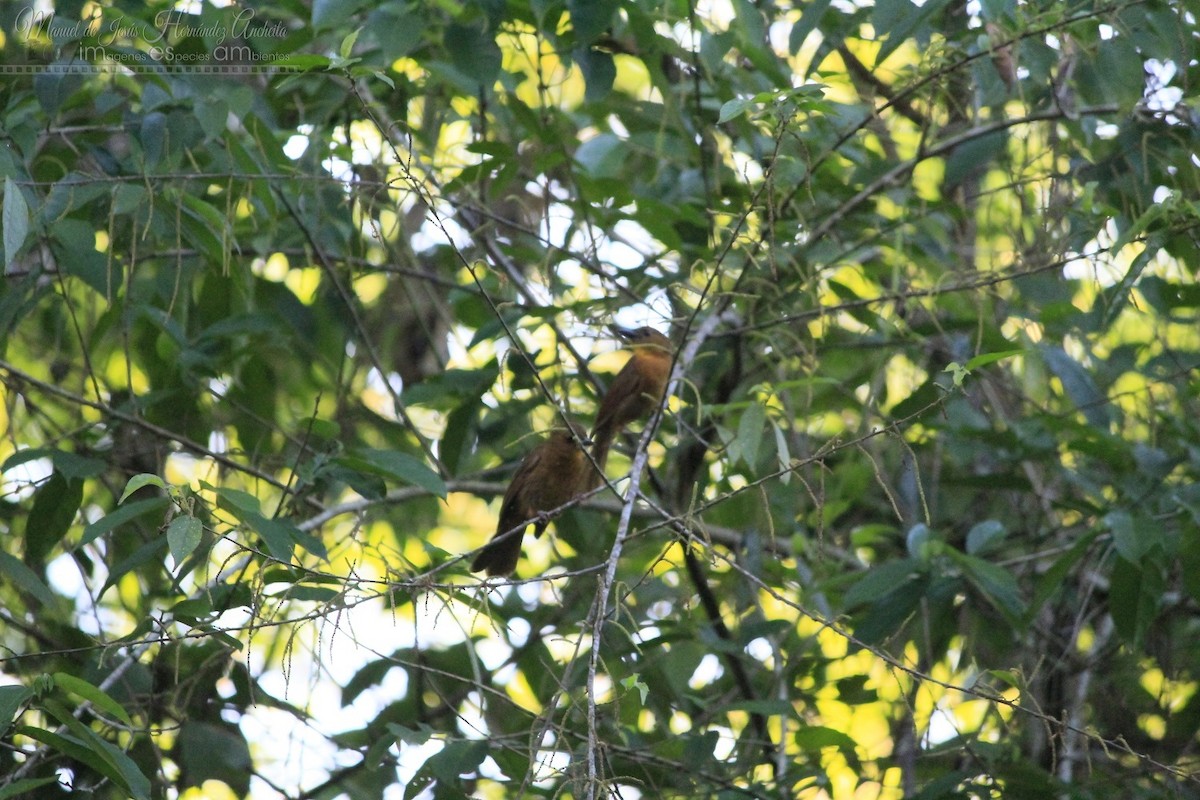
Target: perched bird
x: 635, y: 392
x: 549, y: 476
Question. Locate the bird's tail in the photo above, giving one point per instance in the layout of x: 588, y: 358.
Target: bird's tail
x: 499, y: 556
x: 602, y: 439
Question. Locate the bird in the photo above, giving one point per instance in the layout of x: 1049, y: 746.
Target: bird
x: 635, y: 392
x: 549, y: 476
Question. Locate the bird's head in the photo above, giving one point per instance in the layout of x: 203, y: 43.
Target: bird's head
x: 643, y: 337
x: 574, y: 432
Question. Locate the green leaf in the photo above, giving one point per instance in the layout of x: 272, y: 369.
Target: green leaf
x: 1133, y: 535
x: 126, y: 198
x: 150, y: 552
x: 305, y: 61
x: 602, y: 156
x: 25, y: 456
x: 73, y: 243
x: 406, y: 27
x: 635, y: 682
x: 54, y: 507
x: 396, y: 466
x: 104, y: 756
x: 313, y: 594
x: 1007, y: 677
x: 599, y: 73
x: 42, y: 685
x: 782, y: 455
x: 984, y: 536
x: 131, y: 776
x: 995, y: 583
x: 768, y: 708
x: 330, y: 13
x: 887, y: 615
x: 958, y: 373
x: 750, y: 434
x: 458, y: 438
x: 699, y: 749
x: 406, y: 735
x: 810, y: 18
x: 119, y: 517
x: 152, y: 135
x: 1109, y: 303
x: 138, y: 481
x: 923, y: 401
x: 919, y: 541
x: 1189, y: 561
x: 880, y: 580
x: 11, y: 700
x: 898, y: 19
x: 205, y: 228
x: 735, y: 108
x: 474, y: 52
x: 346, y: 50
x: 1120, y: 524
x: 96, y: 696
x: 27, y: 785
x: 973, y: 156
x: 276, y: 533
x: 215, y: 751
x: 1168, y: 296
x: 813, y: 738
x: 237, y: 502
x: 983, y: 359
x: 73, y: 748
x: 23, y: 577
x: 457, y: 758
x: 1079, y: 386
x: 77, y: 467
x: 183, y: 536
x: 591, y: 18
x: 16, y: 221
x: 1134, y: 595
x: 193, y: 608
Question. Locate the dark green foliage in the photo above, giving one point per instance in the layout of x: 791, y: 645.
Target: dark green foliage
x: 923, y: 520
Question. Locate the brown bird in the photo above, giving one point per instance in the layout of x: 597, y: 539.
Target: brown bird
x: 635, y: 392
x: 549, y: 476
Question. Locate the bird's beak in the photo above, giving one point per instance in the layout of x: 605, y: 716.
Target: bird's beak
x: 578, y: 435
x: 624, y: 333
